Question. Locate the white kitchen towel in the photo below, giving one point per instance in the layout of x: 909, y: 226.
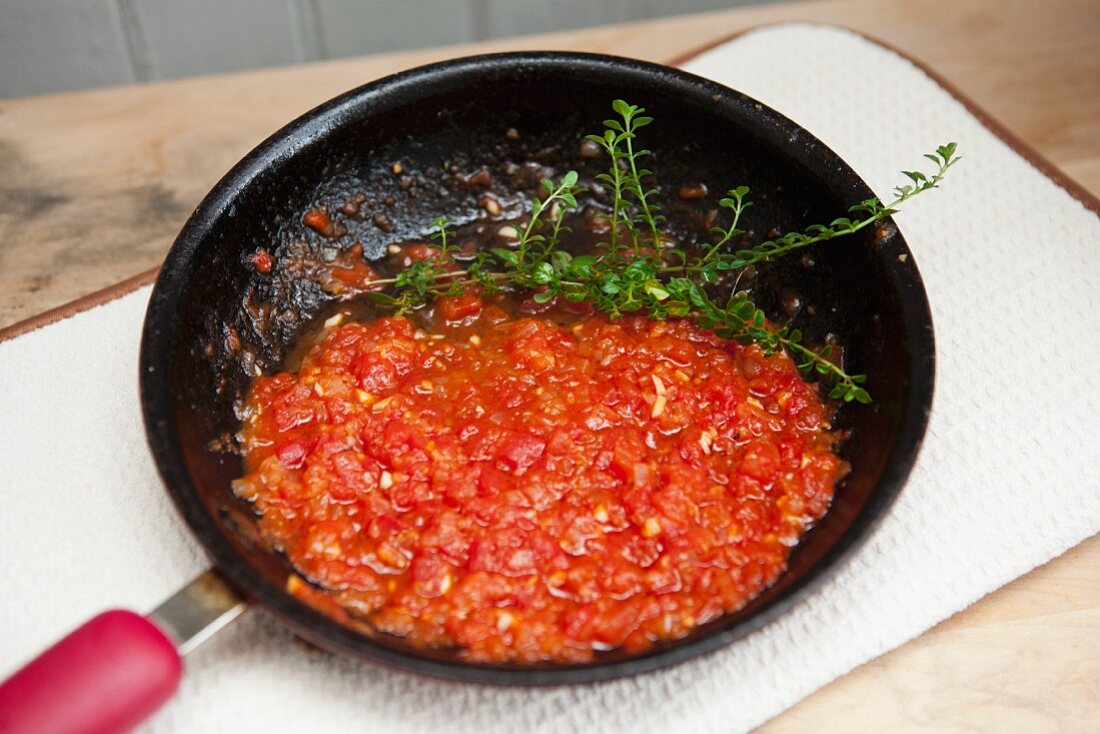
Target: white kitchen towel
x: 1006, y: 479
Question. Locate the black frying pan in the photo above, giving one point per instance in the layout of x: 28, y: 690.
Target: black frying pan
x: 213, y: 322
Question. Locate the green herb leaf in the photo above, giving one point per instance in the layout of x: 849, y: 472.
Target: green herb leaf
x: 507, y: 256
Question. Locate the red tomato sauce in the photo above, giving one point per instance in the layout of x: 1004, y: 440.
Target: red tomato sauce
x: 524, y: 491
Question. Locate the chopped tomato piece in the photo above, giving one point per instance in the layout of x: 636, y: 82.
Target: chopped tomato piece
x: 520, y: 450
x: 262, y: 261
x: 357, y: 275
x: 456, y: 308
x: 318, y: 220
x: 761, y: 460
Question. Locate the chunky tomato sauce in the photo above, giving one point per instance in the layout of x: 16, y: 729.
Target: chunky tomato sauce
x: 523, y: 491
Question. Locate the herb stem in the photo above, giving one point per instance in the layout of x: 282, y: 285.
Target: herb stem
x: 616, y: 176
x: 642, y: 197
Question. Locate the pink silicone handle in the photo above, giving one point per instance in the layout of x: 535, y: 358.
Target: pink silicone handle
x: 106, y: 676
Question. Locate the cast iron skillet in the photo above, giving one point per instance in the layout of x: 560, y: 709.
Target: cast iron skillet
x: 213, y: 321
x: 458, y: 112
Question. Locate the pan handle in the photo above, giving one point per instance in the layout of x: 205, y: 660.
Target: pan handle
x: 107, y: 675
x: 114, y: 671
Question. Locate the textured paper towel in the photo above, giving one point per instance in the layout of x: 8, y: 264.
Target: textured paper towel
x: 1003, y: 484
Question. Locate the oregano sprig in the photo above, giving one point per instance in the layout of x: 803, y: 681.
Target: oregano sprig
x: 557, y: 199
x: 625, y: 176
x: 870, y: 211
x: 633, y: 272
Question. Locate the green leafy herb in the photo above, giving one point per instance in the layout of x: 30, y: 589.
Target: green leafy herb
x: 635, y: 270
x: 625, y: 176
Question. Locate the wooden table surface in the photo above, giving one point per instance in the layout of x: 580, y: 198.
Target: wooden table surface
x: 94, y: 185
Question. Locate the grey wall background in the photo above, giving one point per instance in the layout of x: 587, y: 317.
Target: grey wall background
x: 58, y: 45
